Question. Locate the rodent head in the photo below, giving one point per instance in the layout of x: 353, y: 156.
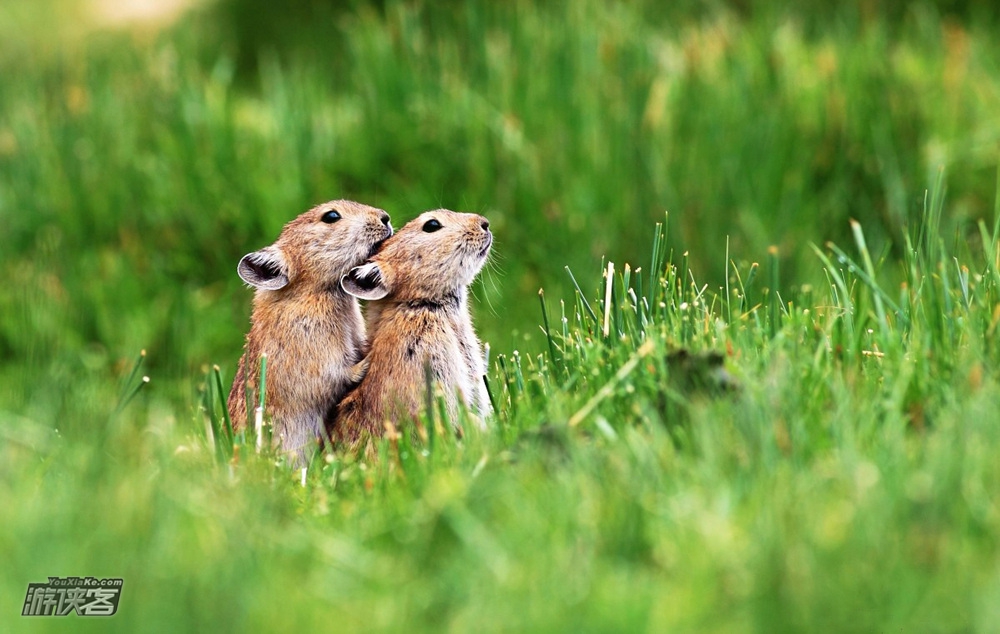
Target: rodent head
x: 318, y: 247
x: 432, y: 257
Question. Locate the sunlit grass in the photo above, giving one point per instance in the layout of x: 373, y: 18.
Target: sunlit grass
x: 846, y: 483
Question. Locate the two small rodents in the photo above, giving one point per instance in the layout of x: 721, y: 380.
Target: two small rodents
x: 322, y: 378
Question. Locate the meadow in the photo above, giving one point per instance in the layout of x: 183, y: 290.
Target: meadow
x: 812, y: 192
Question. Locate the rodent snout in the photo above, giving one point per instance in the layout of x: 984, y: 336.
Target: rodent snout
x: 485, y: 224
x: 384, y: 217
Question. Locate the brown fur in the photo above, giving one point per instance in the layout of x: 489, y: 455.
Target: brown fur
x: 310, y: 329
x: 418, y: 317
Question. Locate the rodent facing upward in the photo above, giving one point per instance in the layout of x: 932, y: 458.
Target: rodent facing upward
x: 310, y: 329
x: 418, y: 317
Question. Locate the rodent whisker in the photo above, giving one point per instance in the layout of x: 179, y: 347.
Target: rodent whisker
x: 489, y: 279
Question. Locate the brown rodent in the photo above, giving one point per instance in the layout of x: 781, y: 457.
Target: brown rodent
x: 310, y: 329
x: 418, y: 318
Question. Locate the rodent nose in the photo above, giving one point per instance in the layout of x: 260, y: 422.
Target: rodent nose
x: 385, y: 218
x: 485, y: 224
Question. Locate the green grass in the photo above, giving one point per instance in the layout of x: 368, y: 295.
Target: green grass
x: 850, y: 484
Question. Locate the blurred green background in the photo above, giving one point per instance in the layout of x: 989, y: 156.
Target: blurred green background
x: 144, y: 147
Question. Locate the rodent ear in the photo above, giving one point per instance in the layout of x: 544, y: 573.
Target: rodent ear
x: 366, y: 282
x: 264, y: 269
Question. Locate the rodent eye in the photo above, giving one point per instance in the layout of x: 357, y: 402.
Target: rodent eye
x: 432, y: 225
x: 330, y: 216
